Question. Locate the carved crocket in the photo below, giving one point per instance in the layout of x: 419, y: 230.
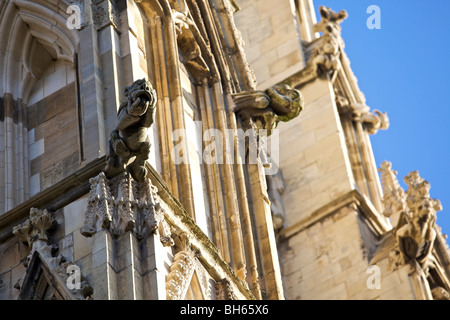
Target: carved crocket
x: 130, y: 138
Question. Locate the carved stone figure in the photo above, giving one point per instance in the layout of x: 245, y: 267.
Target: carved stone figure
x: 266, y: 108
x: 187, y: 43
x: 330, y: 23
x: 372, y: 120
x: 323, y: 53
x: 326, y: 55
x: 415, y: 231
x: 130, y: 138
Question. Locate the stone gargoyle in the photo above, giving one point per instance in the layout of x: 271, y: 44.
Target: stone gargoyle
x: 130, y: 138
x: 266, y: 108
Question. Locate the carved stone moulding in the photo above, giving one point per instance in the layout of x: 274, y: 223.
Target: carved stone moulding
x: 224, y: 290
x: 183, y: 272
x: 121, y: 204
x: 180, y: 273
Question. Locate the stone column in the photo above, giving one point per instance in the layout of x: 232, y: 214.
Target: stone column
x: 103, y: 273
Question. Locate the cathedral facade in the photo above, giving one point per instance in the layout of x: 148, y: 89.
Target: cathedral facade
x: 200, y: 150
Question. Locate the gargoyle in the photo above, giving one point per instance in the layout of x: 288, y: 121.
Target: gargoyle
x: 373, y: 120
x: 267, y: 108
x: 326, y: 55
x: 130, y: 138
x: 415, y: 231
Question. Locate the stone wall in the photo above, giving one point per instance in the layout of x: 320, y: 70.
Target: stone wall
x: 313, y: 155
x: 330, y: 260
x: 173, y: 261
x: 272, y: 44
x: 53, y: 134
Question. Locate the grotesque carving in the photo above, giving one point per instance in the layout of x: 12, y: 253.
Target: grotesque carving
x: 330, y: 23
x: 326, y: 54
x: 266, y: 108
x: 372, y: 121
x: 414, y: 228
x: 130, y: 138
x: 188, y: 44
x: 415, y: 231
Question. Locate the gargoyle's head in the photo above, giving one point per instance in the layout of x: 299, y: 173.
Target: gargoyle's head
x: 292, y: 99
x: 143, y: 89
x: 330, y: 21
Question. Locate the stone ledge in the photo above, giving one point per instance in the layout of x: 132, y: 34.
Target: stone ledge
x: 53, y: 198
x: 353, y: 196
x: 77, y: 184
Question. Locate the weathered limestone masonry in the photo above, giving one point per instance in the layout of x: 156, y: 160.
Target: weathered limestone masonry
x: 107, y: 109
x: 334, y: 219
x: 272, y: 43
x: 116, y: 180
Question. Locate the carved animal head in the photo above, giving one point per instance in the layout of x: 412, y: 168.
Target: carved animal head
x: 330, y: 21
x: 287, y: 103
x: 143, y: 89
x: 384, y: 119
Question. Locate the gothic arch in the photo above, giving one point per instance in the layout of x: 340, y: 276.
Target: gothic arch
x: 33, y: 34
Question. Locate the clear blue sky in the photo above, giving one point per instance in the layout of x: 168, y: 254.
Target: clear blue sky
x: 403, y: 69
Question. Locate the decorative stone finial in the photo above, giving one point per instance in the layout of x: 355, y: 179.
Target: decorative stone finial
x: 33, y: 232
x: 394, y: 198
x: 35, y: 228
x: 121, y: 204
